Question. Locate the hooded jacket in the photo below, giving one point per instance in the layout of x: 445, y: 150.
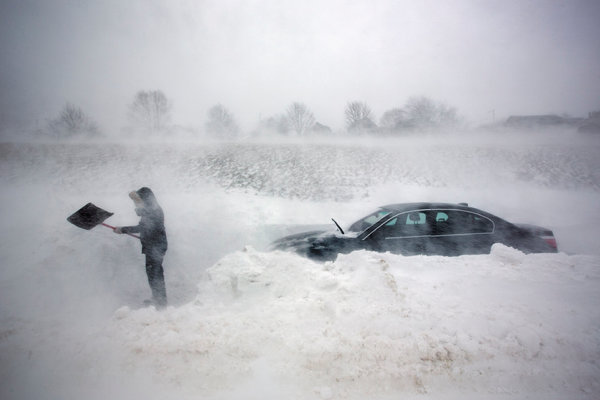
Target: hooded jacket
x: 152, y: 224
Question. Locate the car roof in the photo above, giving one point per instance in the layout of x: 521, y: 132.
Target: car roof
x: 420, y: 206
x: 404, y: 207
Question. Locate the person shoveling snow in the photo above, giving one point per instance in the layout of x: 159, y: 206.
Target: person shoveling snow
x: 151, y: 231
x: 154, y: 241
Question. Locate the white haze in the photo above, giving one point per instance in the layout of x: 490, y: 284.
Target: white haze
x: 489, y: 59
x: 248, y: 323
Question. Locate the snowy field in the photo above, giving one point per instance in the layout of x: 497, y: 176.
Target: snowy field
x: 246, y: 323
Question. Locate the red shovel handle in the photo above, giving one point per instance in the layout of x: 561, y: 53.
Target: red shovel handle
x: 113, y: 228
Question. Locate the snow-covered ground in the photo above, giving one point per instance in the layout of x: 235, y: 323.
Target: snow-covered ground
x: 246, y: 323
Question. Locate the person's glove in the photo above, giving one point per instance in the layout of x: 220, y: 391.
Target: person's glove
x: 118, y: 230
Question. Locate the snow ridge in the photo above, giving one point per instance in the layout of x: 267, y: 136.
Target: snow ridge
x: 373, y: 324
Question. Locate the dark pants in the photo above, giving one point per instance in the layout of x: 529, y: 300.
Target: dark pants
x: 156, y: 278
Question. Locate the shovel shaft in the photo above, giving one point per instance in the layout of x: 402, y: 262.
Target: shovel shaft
x: 112, y: 227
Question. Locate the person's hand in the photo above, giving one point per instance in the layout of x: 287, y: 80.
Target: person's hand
x: 117, y: 230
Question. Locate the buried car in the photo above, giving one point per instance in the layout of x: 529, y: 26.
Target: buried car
x: 422, y: 228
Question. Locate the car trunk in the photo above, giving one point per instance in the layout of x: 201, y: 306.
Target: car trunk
x: 544, y: 233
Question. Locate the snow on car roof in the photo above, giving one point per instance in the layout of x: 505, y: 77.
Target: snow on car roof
x: 423, y: 205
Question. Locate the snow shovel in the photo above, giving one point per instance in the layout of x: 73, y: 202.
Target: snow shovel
x: 90, y: 216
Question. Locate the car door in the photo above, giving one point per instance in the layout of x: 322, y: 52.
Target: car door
x: 456, y: 232
x: 405, y: 233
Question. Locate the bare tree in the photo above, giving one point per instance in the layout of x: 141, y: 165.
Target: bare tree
x: 393, y: 119
x: 72, y: 121
x: 447, y: 115
x: 150, y: 110
x: 275, y: 124
x: 424, y: 113
x: 221, y: 122
x: 421, y: 111
x: 300, y: 118
x: 358, y: 117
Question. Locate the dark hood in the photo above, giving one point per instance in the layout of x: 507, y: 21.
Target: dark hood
x: 147, y: 197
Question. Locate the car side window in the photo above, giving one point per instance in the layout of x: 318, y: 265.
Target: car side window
x: 456, y: 222
x: 442, y: 223
x: 480, y: 224
x: 404, y: 225
x: 441, y: 216
x: 415, y: 218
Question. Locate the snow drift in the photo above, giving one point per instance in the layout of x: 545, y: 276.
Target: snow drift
x: 370, y: 325
x: 246, y: 323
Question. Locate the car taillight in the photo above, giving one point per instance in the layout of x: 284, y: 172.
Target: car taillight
x: 551, y: 240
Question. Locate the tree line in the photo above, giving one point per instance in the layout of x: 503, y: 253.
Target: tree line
x: 150, y: 113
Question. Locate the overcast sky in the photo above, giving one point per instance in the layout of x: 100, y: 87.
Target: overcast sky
x: 255, y: 57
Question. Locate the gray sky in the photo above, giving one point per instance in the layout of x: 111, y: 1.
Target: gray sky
x: 256, y: 57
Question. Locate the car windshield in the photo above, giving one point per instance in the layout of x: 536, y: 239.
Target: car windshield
x: 368, y: 221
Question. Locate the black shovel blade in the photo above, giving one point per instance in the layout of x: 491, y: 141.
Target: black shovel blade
x: 89, y: 216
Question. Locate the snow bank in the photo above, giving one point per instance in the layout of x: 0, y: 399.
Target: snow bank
x: 246, y: 324
x: 373, y: 325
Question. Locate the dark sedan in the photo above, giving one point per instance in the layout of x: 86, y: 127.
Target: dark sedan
x: 422, y: 228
